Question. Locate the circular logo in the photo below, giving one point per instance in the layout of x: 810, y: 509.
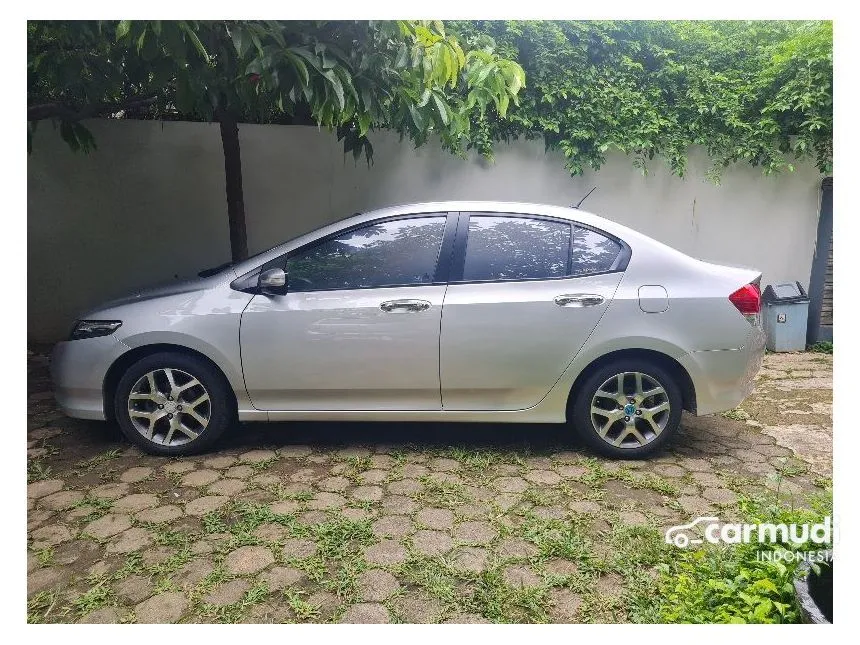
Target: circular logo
x: 170, y: 406
x: 629, y: 409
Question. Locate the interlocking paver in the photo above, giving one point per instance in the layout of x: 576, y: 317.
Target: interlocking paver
x: 511, y: 484
x: 411, y: 504
x: 203, y: 505
x: 280, y: 578
x: 227, y: 593
x: 299, y: 548
x: 385, y: 553
x: 134, y: 503
x: 44, y: 487
x: 136, y: 474
x: 159, y: 514
x: 107, y: 526
x: 134, y: 589
x: 441, y: 519
x: 431, y: 542
x: 61, y: 500
x: 248, y: 559
x: 163, y: 608
x: 393, y: 526
x: 130, y: 540
x: 366, y: 613
x: 475, y: 532
x: 376, y: 585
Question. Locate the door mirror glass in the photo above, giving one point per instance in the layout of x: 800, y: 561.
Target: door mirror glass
x: 273, y: 282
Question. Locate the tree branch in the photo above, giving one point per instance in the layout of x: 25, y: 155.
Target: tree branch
x: 60, y: 111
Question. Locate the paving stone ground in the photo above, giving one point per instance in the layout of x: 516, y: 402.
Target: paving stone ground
x: 314, y: 522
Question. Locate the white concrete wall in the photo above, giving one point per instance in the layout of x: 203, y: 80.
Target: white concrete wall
x: 149, y: 204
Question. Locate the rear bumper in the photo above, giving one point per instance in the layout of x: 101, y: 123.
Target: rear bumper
x: 78, y: 370
x: 724, y: 378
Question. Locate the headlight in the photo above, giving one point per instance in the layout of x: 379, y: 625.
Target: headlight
x: 94, y: 328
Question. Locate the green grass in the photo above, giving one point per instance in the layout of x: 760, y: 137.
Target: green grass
x: 304, y: 610
x: 233, y: 613
x: 260, y: 466
x: 45, y: 556
x: 98, y: 596
x: 37, y: 471
x: 40, y: 606
x: 354, y: 467
x: 89, y: 464
x: 737, y: 414
x: 823, y: 347
x: 441, y: 493
x: 497, y: 601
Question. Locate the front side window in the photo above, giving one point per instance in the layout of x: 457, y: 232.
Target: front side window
x: 394, y: 253
x: 516, y: 248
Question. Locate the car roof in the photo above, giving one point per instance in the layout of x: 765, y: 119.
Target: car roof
x: 525, y: 208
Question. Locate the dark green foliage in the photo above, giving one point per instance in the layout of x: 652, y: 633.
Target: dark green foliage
x: 409, y: 76
x: 759, y: 92
x: 731, y: 583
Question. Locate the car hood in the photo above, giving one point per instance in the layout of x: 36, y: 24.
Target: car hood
x: 151, y: 293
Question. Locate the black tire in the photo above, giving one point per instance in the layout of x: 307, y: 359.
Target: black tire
x: 220, y: 408
x: 581, y: 417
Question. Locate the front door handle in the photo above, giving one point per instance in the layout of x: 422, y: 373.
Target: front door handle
x: 578, y: 300
x: 404, y: 306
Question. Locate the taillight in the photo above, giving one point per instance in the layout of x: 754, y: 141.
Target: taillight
x: 747, y: 299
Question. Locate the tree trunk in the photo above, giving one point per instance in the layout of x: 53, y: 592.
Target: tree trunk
x: 233, y: 176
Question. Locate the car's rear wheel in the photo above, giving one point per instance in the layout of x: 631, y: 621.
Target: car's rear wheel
x: 173, y: 404
x: 628, y: 409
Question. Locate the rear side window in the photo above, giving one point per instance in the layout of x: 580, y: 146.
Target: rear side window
x: 510, y: 247
x: 394, y: 253
x: 592, y: 252
x: 516, y: 248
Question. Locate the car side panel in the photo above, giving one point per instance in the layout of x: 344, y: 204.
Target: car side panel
x: 339, y: 350
x: 504, y: 344
x: 206, y: 321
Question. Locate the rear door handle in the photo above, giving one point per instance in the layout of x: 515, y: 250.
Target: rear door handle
x: 404, y: 306
x: 578, y: 300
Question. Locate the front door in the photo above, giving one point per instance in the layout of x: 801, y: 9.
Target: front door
x: 522, y: 301
x: 359, y: 326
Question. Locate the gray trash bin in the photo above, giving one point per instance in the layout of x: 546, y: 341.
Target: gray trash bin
x: 785, y: 316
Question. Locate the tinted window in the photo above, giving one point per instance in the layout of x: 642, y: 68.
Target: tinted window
x: 592, y: 252
x: 516, y: 248
x: 400, y: 252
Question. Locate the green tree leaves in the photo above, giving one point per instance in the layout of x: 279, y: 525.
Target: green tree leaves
x: 409, y: 76
x: 751, y: 92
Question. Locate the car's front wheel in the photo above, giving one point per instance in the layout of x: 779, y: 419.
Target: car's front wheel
x: 172, y: 404
x: 628, y: 409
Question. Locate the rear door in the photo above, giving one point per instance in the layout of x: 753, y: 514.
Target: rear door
x: 524, y: 295
x: 359, y: 326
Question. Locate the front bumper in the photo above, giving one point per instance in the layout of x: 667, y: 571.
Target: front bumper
x: 724, y: 378
x: 78, y: 369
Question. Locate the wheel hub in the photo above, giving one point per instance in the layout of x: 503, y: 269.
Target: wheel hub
x: 629, y: 409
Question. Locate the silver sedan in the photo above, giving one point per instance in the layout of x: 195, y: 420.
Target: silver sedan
x: 449, y: 311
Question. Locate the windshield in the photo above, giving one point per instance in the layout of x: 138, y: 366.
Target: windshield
x: 205, y: 273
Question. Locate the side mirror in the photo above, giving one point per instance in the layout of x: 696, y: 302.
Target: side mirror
x: 273, y: 282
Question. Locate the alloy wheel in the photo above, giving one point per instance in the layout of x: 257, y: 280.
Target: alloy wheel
x: 630, y: 410
x: 169, y: 406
